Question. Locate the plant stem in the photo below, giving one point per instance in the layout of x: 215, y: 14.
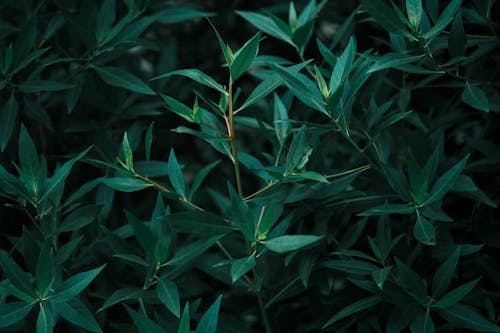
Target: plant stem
x: 265, y: 319
x: 232, y: 138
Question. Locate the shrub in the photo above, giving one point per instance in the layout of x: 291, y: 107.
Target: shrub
x: 312, y: 167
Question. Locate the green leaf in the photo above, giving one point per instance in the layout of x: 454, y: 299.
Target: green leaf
x: 208, y: 322
x: 351, y: 266
x: 456, y: 295
x: 201, y: 175
x: 191, y: 251
x: 467, y: 317
x: 168, y: 294
x: 379, y: 276
x: 20, y: 279
x: 44, y: 322
x: 196, y: 75
x: 184, y: 324
x: 125, y: 184
x: 175, y: 175
x: 127, y: 152
x: 388, y: 209
x: 105, y: 19
x: 445, y: 182
x: 410, y: 280
x: 281, y: 123
x: 424, y: 231
x: 199, y: 223
x: 8, y: 118
x: 423, y: 323
x: 457, y: 40
x: 75, y: 284
x: 475, y: 97
x: 397, y: 181
x: 362, y: 304
x: 60, y: 175
x: 414, y: 11
x: 145, y: 325
x: 444, y: 19
x: 392, y: 59
x: 267, y: 25
x: 29, y: 161
x: 177, y: 107
x: 288, y: 243
x: 297, y: 150
x: 444, y: 274
x: 80, y: 218
x: 241, y: 266
x: 11, y: 313
x: 342, y: 67
x: 44, y: 270
x: 117, y: 77
x: 148, y: 141
x: 142, y: 233
x: 240, y: 214
x: 36, y: 86
x: 121, y: 295
x: 244, y: 57
x: 75, y: 312
x: 384, y: 16
x: 176, y: 15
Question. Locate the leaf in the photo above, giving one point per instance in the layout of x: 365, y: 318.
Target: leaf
x: 184, y: 324
x: 297, y: 150
x: 414, y: 11
x: 176, y: 15
x: 201, y: 175
x: 241, y: 266
x: 456, y: 295
x: 196, y: 75
x: 36, y: 86
x: 29, y: 161
x: 125, y: 184
x: 392, y: 59
x: 75, y: 312
x: 384, y: 16
x: 444, y: 19
x: 266, y: 24
x: 424, y: 231
x: 11, y: 313
x: 342, y: 67
x: 444, y: 274
x: 177, y: 107
x: 142, y: 233
x: 145, y: 325
x: 168, y: 294
x: 75, y: 284
x: 191, y: 251
x: 44, y: 322
x: 117, y: 77
x: 175, y: 175
x: 355, y: 307
x: 80, y: 218
x: 240, y: 214
x: 149, y: 140
x: 410, y: 280
x: 475, y: 97
x: 388, y: 209
x: 8, y: 118
x: 20, y: 279
x: 379, y: 276
x: 457, y: 40
x: 351, y: 266
x: 208, y: 322
x: 445, y: 182
x: 423, y: 323
x: 288, y: 243
x: 281, y: 123
x: 121, y: 295
x: 105, y: 19
x: 244, y: 57
x: 60, y: 175
x: 44, y: 270
x: 467, y: 317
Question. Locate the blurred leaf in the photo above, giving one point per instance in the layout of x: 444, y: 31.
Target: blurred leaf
x: 423, y: 323
x: 266, y: 25
x: 456, y: 295
x: 196, y: 75
x: 208, y: 322
x: 476, y: 98
x: 379, y: 276
x: 36, y: 86
x: 8, y: 118
x: 444, y: 274
x: 144, y: 325
x: 388, y: 209
x: 467, y: 317
x: 288, y: 243
x: 142, y: 233
x: 184, y: 324
x: 11, y: 313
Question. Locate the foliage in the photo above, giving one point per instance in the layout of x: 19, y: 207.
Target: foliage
x: 311, y: 166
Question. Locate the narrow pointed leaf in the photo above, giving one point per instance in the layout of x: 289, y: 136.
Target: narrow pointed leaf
x: 196, y: 75
x: 117, y: 77
x: 241, y: 266
x: 8, y: 118
x: 355, y: 307
x: 266, y: 24
x: 424, y: 231
x: 168, y: 294
x: 444, y: 19
x: 456, y: 295
x: 467, y: 317
x: 11, y: 313
x: 75, y: 284
x: 385, y: 16
x: 244, y: 57
x: 175, y: 175
x: 75, y: 312
x: 444, y: 274
x: 446, y: 181
x: 475, y: 97
x: 288, y: 243
x: 208, y: 322
x: 125, y: 184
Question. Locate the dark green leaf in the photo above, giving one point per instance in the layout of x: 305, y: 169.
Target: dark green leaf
x: 191, y: 251
x: 8, y: 118
x: 142, y: 233
x: 351, y: 266
x: 388, y: 209
x: 44, y: 322
x: 11, y: 313
x: 121, y: 295
x: 208, y: 322
x: 15, y: 274
x: 175, y: 15
x: 244, y: 57
x: 201, y: 175
x: 125, y: 184
x: 184, y: 324
x: 475, y: 97
x: 446, y: 181
x: 169, y: 295
x: 456, y: 295
x: 297, y: 150
x: 175, y: 175
x: 424, y: 231
x: 145, y: 325
x: 355, y: 307
x: 75, y: 312
x: 290, y: 242
x: 105, y: 19
x: 196, y: 75
x: 384, y: 16
x: 266, y: 25
x: 445, y: 273
x: 457, y: 40
x: 410, y: 280
x: 75, y: 284
x: 29, y: 161
x: 379, y: 276
x: 149, y: 140
x: 182, y: 110
x: 117, y: 77
x: 467, y: 317
x: 423, y: 323
x: 35, y: 86
x: 241, y: 266
x: 444, y: 19
x: 44, y: 270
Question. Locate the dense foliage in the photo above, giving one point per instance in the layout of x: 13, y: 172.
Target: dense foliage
x: 173, y: 166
